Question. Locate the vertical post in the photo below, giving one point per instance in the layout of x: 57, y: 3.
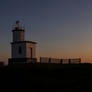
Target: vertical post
x: 49, y: 60
x: 61, y: 61
x: 79, y: 60
x: 69, y: 60
x: 40, y: 59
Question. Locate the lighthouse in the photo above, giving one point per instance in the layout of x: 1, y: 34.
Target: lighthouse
x: 22, y: 51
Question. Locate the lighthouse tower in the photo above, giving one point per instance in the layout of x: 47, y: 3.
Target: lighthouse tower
x: 21, y: 51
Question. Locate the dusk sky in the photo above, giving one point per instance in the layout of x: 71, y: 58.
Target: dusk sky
x: 62, y: 28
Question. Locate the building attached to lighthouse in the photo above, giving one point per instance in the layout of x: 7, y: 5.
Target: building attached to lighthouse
x: 21, y: 51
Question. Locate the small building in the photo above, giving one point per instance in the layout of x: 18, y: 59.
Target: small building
x: 21, y: 51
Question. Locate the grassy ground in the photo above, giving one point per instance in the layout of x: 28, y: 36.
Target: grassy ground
x: 48, y: 77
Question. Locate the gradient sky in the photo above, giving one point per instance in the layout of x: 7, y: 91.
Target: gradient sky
x: 62, y: 28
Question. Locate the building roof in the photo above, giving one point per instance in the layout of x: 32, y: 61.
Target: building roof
x: 24, y: 42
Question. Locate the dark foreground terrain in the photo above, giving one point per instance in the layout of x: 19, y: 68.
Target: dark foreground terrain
x: 47, y: 78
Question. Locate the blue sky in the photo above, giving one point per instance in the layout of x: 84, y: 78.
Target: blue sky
x: 62, y: 28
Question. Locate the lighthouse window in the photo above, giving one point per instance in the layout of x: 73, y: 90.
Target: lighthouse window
x: 20, y: 50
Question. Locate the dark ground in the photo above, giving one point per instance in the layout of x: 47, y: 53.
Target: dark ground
x: 47, y: 78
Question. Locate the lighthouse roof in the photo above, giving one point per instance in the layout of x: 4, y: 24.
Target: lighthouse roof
x: 18, y: 29
x: 24, y: 42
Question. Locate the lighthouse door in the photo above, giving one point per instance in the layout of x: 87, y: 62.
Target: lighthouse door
x: 31, y: 52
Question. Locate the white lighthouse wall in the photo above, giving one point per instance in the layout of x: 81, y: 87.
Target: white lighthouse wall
x: 28, y: 50
x: 15, y: 50
x: 18, y: 36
